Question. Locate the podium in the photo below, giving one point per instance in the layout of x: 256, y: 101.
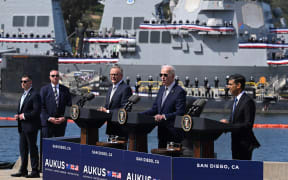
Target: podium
x: 89, y: 120
x: 136, y: 126
x: 200, y: 133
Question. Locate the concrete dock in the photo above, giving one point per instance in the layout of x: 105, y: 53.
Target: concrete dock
x: 5, y: 175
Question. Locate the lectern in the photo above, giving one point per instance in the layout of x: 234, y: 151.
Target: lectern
x: 89, y: 120
x: 136, y: 126
x: 200, y: 133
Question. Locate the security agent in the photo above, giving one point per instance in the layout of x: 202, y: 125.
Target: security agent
x: 169, y: 103
x: 28, y: 117
x: 54, y: 99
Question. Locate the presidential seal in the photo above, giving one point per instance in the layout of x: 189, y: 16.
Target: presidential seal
x: 130, y: 1
x: 74, y: 112
x: 187, y: 123
x: 122, y: 116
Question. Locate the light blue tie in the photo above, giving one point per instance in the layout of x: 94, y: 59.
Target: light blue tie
x: 234, y: 106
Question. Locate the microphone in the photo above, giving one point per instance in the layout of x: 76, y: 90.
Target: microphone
x: 196, y: 108
x: 83, y: 100
x: 132, y: 100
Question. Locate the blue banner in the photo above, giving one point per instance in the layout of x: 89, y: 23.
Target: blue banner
x: 61, y: 160
x: 207, y: 169
x: 101, y: 163
x: 145, y: 166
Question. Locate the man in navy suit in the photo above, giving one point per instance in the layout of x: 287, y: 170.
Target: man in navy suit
x: 169, y: 103
x: 242, y: 118
x: 54, y: 98
x: 117, y: 96
x: 28, y: 117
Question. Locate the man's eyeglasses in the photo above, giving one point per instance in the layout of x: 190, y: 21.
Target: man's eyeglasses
x: 54, y: 75
x: 165, y: 75
x: 24, y: 82
x: 113, y: 74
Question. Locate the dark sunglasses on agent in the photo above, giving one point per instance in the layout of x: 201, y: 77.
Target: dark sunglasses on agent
x: 23, y: 82
x: 57, y: 75
x: 165, y: 75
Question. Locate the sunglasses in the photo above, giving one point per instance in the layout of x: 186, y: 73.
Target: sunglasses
x: 23, y: 82
x: 165, y: 75
x: 113, y: 74
x: 54, y: 75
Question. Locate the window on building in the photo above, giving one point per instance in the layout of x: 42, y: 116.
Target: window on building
x: 143, y: 36
x: 43, y: 21
x: 30, y: 21
x: 155, y: 37
x: 116, y: 22
x: 127, y: 23
x: 18, y: 21
x: 138, y: 21
x: 166, y: 37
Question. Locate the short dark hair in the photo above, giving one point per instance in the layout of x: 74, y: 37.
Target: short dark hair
x: 27, y: 75
x: 118, y: 67
x: 238, y: 78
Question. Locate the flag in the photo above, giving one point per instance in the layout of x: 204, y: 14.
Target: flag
x: 114, y: 174
x: 118, y: 175
x: 109, y: 173
x: 76, y: 168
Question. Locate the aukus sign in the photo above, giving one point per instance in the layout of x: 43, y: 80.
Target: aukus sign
x: 68, y: 161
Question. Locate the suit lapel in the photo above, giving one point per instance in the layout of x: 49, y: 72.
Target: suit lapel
x: 161, y: 91
x: 238, y: 105
x: 115, y: 93
x: 168, y: 96
x: 26, y: 99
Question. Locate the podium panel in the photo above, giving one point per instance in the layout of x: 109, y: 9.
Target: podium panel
x: 200, y: 134
x: 136, y: 126
x: 89, y: 120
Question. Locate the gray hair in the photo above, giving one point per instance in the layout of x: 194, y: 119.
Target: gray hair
x: 119, y: 67
x: 170, y: 67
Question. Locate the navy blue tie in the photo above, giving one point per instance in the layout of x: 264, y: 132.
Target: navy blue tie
x: 234, y: 107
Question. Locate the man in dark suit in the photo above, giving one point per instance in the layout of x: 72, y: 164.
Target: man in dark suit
x: 28, y: 117
x: 242, y: 118
x: 54, y: 98
x: 169, y: 103
x: 117, y: 96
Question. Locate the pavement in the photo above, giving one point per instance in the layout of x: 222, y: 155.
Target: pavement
x: 5, y: 174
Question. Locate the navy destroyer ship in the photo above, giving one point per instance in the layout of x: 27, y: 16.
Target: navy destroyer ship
x: 201, y: 38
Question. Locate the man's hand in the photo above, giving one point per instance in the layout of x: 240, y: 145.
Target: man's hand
x: 16, y: 116
x: 103, y: 109
x: 224, y: 121
x: 159, y: 117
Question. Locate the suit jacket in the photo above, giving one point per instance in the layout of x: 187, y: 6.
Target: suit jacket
x: 120, y: 96
x: 174, y: 105
x: 31, y: 108
x: 49, y: 108
x: 119, y: 99
x: 244, y: 116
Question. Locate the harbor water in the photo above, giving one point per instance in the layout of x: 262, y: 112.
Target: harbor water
x: 274, y: 141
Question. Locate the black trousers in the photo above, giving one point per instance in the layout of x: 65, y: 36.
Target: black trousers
x: 53, y: 131
x: 241, y: 153
x: 28, y: 144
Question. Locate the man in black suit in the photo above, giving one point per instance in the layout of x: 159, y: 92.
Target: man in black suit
x: 54, y: 98
x: 28, y: 117
x: 242, y: 118
x: 169, y: 103
x: 117, y: 96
